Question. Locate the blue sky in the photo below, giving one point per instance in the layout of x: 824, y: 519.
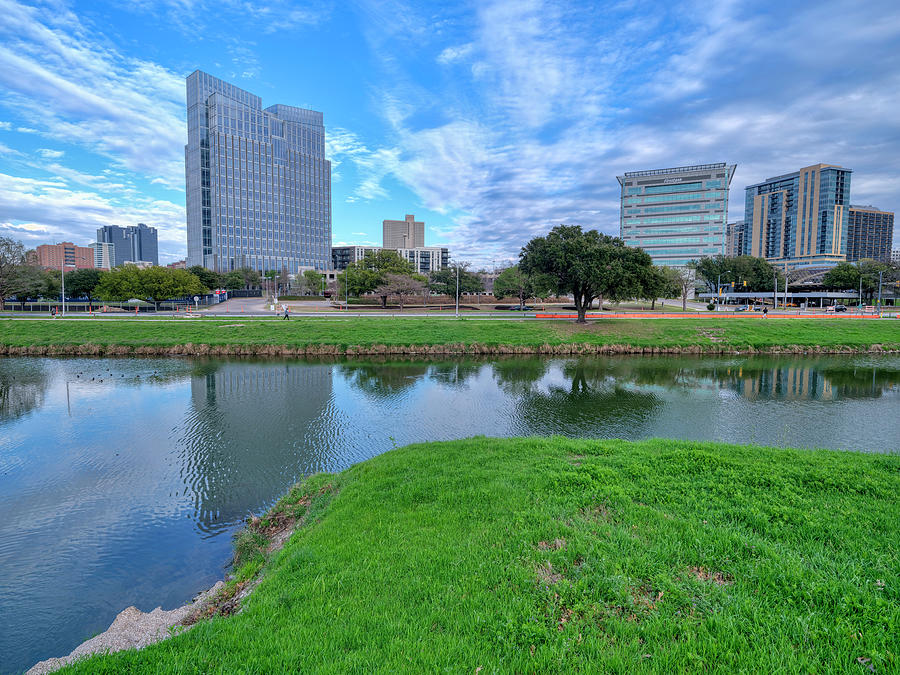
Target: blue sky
x: 492, y: 121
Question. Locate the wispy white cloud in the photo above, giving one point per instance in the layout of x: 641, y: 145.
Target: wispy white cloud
x: 37, y: 210
x: 455, y: 53
x: 47, y: 153
x: 5, y: 125
x: 70, y: 86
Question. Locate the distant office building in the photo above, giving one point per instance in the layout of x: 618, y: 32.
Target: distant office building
x: 258, y: 183
x: 178, y: 265
x: 104, y: 255
x: 870, y: 233
x: 131, y: 244
x: 735, y: 235
x: 676, y: 215
x: 895, y: 256
x: 65, y: 255
x: 799, y: 218
x: 425, y: 259
x: 406, y: 234
x: 121, y: 246
x: 144, y: 243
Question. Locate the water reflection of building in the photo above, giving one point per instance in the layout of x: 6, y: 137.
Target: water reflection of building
x: 23, y: 384
x: 818, y: 381
x: 253, y: 429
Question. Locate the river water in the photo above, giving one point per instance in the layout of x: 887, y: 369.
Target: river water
x: 122, y: 481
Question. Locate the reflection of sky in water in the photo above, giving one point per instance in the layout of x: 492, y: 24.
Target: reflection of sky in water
x: 121, y: 492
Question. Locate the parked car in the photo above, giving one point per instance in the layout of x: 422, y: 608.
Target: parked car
x: 840, y: 308
x: 742, y: 308
x: 758, y: 308
x: 521, y: 308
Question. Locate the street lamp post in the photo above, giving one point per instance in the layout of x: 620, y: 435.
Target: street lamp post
x: 775, y: 293
x: 62, y: 276
x: 457, y: 290
x: 880, y: 275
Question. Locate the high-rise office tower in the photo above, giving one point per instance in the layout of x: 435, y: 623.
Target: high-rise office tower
x: 115, y: 235
x: 870, y: 233
x: 130, y: 244
x: 258, y: 183
x: 676, y: 215
x: 799, y: 218
x: 144, y: 243
x: 104, y: 255
x: 407, y: 233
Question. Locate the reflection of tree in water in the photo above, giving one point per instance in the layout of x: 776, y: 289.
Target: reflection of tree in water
x: 251, y: 432
x: 385, y: 380
x: 759, y: 377
x: 518, y: 375
x: 23, y: 384
x: 592, y: 404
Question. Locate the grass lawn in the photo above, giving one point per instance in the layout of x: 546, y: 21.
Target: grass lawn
x: 558, y: 555
x: 705, y: 333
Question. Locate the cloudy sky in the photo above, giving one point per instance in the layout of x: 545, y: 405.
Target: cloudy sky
x: 492, y: 121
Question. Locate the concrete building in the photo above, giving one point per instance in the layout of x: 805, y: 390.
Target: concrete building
x: 104, y: 255
x: 130, y: 244
x: 405, y: 234
x: 258, y: 184
x: 895, y: 256
x: 870, y: 233
x: 65, y: 255
x: 425, y: 259
x: 735, y: 234
x: 676, y: 215
x: 178, y: 265
x: 799, y: 218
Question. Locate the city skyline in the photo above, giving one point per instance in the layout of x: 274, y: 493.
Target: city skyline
x: 492, y: 124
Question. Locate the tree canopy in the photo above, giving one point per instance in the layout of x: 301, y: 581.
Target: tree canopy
x: 12, y: 258
x: 83, y: 283
x: 847, y: 276
x: 154, y: 284
x: 757, y: 272
x: 365, y: 275
x: 587, y: 265
x: 443, y: 281
x: 400, y: 285
x: 207, y: 277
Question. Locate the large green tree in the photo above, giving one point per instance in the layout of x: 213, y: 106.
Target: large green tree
x: 154, y: 284
x: 12, y: 259
x: 365, y: 275
x: 513, y: 282
x: 864, y: 273
x: 207, y: 277
x: 758, y: 274
x: 83, y: 283
x: 312, y: 282
x: 444, y: 281
x: 587, y: 265
x: 400, y: 285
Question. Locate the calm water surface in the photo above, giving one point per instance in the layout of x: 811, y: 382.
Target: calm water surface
x: 121, y: 481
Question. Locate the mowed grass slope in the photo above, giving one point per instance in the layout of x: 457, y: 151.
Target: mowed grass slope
x: 557, y: 555
x: 702, y: 333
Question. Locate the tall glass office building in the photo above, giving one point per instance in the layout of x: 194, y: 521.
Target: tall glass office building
x: 258, y: 183
x: 676, y: 215
x: 799, y: 218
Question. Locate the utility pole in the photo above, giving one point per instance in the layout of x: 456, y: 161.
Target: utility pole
x: 457, y: 289
x: 775, y: 281
x: 880, y: 274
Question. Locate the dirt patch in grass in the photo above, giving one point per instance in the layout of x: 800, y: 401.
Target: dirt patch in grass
x: 599, y: 513
x: 718, y: 578
x: 546, y: 575
x: 712, y: 334
x: 555, y: 545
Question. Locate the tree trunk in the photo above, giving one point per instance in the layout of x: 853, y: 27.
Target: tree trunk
x: 401, y: 303
x: 653, y: 305
x: 600, y: 303
x: 384, y: 301
x: 684, y: 301
x: 580, y: 308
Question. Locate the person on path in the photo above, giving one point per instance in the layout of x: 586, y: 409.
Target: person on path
x: 765, y: 312
x: 286, y: 312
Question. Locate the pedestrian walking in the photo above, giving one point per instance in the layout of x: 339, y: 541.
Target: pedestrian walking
x: 765, y: 312
x: 286, y: 313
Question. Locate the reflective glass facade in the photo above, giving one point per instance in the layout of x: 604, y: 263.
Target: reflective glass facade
x: 676, y: 215
x: 800, y: 217
x: 258, y: 184
x: 870, y: 233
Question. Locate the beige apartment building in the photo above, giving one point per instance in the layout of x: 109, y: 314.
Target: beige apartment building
x: 407, y: 233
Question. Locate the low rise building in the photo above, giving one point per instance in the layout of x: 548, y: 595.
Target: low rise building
x: 425, y: 259
x: 65, y: 255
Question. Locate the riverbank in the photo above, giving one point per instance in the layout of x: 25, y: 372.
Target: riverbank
x: 548, y: 555
x: 360, y: 336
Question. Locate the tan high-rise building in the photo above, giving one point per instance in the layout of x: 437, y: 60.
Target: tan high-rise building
x: 65, y: 253
x: 406, y: 233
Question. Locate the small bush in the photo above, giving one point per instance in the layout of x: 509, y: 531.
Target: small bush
x: 710, y: 307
